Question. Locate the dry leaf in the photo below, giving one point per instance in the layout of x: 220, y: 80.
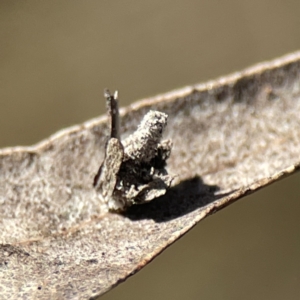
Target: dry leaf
x: 231, y: 137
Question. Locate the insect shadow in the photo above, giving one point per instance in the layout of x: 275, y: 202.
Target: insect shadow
x: 181, y: 199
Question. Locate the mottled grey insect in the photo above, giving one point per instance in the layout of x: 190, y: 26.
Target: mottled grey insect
x: 134, y: 171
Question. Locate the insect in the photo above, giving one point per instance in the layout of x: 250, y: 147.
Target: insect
x: 133, y: 171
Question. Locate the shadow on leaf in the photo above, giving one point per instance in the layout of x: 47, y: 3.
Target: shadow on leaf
x: 181, y: 199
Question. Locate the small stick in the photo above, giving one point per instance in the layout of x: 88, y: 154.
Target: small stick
x: 113, y: 112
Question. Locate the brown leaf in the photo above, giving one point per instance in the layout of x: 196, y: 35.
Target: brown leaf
x: 231, y: 137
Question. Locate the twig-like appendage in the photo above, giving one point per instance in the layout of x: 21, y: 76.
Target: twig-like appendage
x: 133, y: 172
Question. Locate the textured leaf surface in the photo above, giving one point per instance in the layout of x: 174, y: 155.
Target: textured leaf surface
x: 231, y: 136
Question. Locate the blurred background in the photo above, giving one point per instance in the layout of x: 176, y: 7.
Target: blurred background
x: 57, y: 56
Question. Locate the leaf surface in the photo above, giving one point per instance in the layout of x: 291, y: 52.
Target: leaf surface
x: 231, y: 137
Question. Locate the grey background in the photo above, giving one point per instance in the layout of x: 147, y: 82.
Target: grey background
x: 57, y: 56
